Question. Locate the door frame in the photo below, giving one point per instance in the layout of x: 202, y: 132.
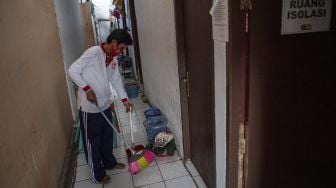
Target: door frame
x: 236, y: 90
x: 134, y: 28
x: 186, y: 70
x: 182, y: 71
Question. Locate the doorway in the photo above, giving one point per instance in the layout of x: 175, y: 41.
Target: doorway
x: 291, y: 102
x: 196, y: 70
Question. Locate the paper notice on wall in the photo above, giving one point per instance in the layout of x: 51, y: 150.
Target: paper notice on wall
x: 220, y: 21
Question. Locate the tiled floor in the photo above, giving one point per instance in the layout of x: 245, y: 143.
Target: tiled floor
x: 164, y: 172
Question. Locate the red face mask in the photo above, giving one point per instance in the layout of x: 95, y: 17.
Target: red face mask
x: 108, y: 58
x: 115, y: 50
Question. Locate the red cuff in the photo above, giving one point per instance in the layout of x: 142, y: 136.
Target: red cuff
x: 124, y: 100
x: 87, y: 88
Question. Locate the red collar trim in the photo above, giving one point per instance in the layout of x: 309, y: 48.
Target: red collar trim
x: 113, y: 54
x: 102, y: 47
x: 108, y: 58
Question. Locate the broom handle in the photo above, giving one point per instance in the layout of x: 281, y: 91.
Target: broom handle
x: 109, y: 122
x: 131, y: 125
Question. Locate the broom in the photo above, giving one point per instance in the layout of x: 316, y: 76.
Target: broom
x: 137, y: 147
x: 139, y: 160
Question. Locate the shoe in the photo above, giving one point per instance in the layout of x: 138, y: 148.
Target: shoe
x: 119, y: 166
x: 106, y: 179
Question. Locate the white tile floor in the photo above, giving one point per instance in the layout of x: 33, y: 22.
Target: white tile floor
x: 164, y: 172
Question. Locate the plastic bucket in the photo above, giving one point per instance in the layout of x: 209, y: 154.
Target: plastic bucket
x: 152, y: 113
x: 154, y: 127
x: 131, y: 89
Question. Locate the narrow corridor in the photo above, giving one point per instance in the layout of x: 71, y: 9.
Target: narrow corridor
x: 164, y: 172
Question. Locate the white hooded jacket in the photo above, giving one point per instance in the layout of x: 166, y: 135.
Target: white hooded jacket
x: 90, y: 71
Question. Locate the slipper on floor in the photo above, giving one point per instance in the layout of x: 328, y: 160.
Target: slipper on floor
x: 120, y: 166
x: 106, y: 179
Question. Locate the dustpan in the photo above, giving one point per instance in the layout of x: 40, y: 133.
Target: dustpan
x: 139, y: 160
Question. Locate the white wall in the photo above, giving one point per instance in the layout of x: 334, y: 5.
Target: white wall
x: 71, y: 34
x: 157, y: 39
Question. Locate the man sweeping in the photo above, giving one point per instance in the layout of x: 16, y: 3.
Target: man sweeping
x: 92, y: 73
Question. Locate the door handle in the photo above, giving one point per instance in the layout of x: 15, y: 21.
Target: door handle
x: 186, y: 81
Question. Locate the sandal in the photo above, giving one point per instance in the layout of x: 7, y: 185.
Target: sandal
x: 105, y: 179
x: 119, y: 166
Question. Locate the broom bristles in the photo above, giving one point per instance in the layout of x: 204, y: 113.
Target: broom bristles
x: 142, y: 162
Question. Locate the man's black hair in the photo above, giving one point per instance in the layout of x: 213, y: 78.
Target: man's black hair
x: 121, y: 36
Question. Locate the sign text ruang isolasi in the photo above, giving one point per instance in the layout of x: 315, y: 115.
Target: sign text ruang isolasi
x: 301, y: 16
x: 307, y: 9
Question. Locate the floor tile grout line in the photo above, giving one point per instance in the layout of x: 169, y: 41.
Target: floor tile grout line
x: 185, y: 166
x: 132, y: 180
x: 118, y: 173
x: 83, y: 180
x: 151, y: 184
x: 116, y: 158
x: 189, y: 173
x: 196, y: 181
x: 177, y: 177
x: 154, y: 182
x: 171, y: 161
x: 195, y: 170
x: 164, y: 182
x: 109, y: 175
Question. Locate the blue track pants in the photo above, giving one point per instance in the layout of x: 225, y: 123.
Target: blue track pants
x: 98, y: 143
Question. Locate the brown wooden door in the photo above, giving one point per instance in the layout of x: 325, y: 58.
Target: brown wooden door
x: 194, y: 23
x: 291, y: 122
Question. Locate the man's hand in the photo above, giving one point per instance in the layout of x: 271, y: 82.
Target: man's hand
x: 129, y: 107
x: 91, y: 96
